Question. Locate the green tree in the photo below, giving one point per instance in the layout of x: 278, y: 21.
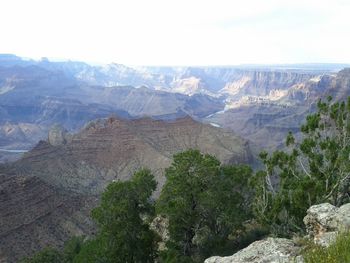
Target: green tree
x: 204, y: 204
x: 93, y: 251
x: 47, y: 255
x: 313, y: 171
x: 122, y: 220
x: 72, y: 248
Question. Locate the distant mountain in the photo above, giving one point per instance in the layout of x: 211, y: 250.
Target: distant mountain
x: 38, y: 97
x: 339, y: 87
x: 248, y: 99
x: 266, y: 122
x: 46, y: 196
x: 187, y: 80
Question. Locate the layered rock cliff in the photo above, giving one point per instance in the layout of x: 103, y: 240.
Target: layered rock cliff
x: 113, y: 148
x: 266, y: 122
x: 35, y: 214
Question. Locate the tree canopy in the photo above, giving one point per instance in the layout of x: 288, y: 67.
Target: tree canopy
x: 204, y: 203
x: 122, y: 220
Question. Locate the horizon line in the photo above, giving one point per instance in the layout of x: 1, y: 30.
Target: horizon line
x: 89, y: 62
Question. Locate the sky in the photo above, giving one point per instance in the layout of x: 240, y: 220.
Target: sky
x: 178, y: 32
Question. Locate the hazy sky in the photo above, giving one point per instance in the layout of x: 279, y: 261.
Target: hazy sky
x: 178, y: 32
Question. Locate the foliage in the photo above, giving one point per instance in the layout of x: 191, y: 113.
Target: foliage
x: 204, y: 203
x: 48, y: 255
x: 314, y: 171
x: 122, y: 219
x: 92, y: 251
x: 338, y: 252
x: 72, y: 248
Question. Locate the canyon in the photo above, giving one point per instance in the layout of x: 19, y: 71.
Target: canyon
x: 79, y: 127
x: 250, y: 100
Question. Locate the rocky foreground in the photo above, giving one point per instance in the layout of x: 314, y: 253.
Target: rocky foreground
x: 323, y: 223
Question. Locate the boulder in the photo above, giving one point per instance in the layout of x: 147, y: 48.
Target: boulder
x: 272, y: 250
x: 324, y: 221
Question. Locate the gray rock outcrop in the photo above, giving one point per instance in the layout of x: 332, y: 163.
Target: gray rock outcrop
x: 272, y: 250
x: 324, y: 221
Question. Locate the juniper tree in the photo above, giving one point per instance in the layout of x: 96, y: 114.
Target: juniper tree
x: 204, y: 203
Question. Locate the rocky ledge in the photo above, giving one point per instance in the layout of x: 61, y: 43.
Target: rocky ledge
x: 323, y: 223
x: 273, y: 250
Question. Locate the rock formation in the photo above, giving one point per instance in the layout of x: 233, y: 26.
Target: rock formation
x: 57, y: 135
x: 266, y: 121
x: 323, y: 222
x: 270, y: 250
